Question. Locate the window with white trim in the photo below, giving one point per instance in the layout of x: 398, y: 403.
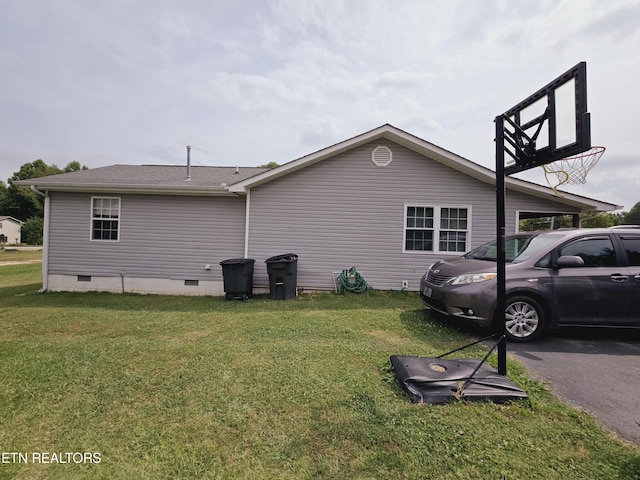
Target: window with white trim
x: 105, y: 218
x: 436, y: 229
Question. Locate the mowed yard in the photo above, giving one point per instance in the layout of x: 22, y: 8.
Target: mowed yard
x: 154, y: 387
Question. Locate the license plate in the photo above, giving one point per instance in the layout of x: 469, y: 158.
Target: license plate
x: 427, y: 292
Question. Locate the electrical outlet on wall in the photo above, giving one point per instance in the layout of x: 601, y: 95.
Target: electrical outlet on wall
x: 405, y: 283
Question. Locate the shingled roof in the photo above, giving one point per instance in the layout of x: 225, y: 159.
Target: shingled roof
x: 147, y: 179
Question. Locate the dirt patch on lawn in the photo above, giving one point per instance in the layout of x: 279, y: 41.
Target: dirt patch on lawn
x: 19, y: 262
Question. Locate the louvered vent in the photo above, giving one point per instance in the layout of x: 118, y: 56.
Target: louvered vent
x: 381, y: 156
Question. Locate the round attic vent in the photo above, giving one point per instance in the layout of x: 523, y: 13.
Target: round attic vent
x: 381, y: 156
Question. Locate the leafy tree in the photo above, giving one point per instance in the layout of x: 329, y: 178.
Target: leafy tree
x: 34, y: 170
x: 74, y: 167
x: 546, y: 223
x: 21, y: 202
x: 533, y: 224
x: 633, y: 216
x: 3, y: 198
x: 32, y: 231
x: 270, y: 165
x: 606, y: 219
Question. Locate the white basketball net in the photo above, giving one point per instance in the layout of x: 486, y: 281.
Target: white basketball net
x: 572, y: 170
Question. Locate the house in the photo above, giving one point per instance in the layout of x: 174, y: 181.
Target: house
x: 385, y: 201
x: 10, y: 229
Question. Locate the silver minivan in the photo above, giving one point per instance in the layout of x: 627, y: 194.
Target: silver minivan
x: 579, y: 277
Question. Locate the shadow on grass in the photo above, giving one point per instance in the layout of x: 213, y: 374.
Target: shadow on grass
x: 425, y: 325
x: 630, y: 470
x: 20, y: 290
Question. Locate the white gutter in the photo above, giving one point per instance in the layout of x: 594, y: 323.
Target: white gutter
x: 138, y: 189
x: 45, y: 237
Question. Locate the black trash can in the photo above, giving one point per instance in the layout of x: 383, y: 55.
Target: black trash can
x: 238, y: 278
x: 283, y: 276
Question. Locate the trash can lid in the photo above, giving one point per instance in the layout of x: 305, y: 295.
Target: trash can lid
x: 287, y: 257
x: 237, y: 261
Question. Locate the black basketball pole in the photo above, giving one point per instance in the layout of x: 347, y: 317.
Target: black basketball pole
x: 500, y: 243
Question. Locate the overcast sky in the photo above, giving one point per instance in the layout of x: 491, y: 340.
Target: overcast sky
x: 247, y: 82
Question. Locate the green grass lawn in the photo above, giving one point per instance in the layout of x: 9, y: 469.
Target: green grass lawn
x: 178, y: 387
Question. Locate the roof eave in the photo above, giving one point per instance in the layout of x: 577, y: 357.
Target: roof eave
x: 583, y: 203
x: 9, y: 217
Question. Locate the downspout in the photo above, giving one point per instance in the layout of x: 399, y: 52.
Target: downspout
x: 246, y: 224
x: 45, y: 237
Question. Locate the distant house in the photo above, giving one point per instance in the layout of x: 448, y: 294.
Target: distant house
x: 385, y: 201
x: 10, y: 229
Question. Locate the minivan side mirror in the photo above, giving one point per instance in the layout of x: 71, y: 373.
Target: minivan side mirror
x: 569, y: 261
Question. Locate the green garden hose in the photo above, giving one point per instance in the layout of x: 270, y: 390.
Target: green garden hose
x: 351, y: 281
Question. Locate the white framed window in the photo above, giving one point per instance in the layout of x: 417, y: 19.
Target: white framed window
x: 105, y: 219
x: 436, y: 229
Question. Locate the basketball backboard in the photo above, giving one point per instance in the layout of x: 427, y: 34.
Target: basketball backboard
x: 551, y: 124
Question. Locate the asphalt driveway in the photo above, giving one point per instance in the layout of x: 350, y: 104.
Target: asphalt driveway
x: 596, y: 370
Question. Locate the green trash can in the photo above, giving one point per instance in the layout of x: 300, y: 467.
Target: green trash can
x: 283, y: 276
x: 237, y: 274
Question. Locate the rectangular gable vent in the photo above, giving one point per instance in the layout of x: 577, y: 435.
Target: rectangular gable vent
x: 381, y: 156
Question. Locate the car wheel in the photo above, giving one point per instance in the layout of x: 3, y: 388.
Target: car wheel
x: 524, y: 319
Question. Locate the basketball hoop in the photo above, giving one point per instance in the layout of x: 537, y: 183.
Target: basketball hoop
x: 572, y: 170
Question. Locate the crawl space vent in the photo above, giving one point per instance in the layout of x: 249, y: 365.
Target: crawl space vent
x: 381, y: 156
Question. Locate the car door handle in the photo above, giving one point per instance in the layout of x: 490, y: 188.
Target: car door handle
x: 616, y: 277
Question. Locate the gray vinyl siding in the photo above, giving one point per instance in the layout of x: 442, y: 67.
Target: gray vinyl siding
x: 169, y: 237
x: 345, y: 211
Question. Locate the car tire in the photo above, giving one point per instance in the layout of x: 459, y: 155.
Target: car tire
x: 524, y: 319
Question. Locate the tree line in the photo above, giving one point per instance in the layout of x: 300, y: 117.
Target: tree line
x: 26, y: 205
x: 600, y: 220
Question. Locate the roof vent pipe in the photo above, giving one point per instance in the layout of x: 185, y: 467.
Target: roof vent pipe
x: 237, y: 170
x: 188, y: 163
